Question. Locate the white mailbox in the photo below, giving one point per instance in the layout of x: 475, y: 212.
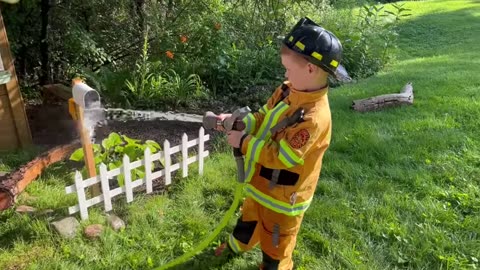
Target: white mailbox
x: 85, y: 96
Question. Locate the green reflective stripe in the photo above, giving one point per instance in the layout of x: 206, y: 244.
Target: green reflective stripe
x: 253, y: 154
x: 276, y: 205
x: 282, y: 109
x: 249, y: 153
x: 265, y: 122
x: 234, y: 244
x: 287, y: 156
x: 264, y: 109
x: 288, y: 163
x: 250, y: 123
x: 256, y: 143
x: 258, y: 150
x: 271, y: 119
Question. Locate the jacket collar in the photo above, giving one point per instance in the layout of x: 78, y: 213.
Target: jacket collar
x: 300, y: 97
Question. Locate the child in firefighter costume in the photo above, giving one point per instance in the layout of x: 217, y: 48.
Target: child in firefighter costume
x: 284, y: 143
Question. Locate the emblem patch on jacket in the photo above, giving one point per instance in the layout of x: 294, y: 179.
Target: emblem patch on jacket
x: 300, y: 139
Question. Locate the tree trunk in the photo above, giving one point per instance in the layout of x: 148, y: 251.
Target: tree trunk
x: 11, y: 185
x: 384, y: 101
x: 45, y: 70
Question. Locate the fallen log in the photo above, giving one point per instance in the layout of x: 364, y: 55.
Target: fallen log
x: 12, y: 184
x: 405, y: 97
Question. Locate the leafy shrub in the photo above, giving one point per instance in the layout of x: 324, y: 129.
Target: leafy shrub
x: 236, y: 70
x: 225, y: 54
x: 151, y: 87
x: 110, y: 84
x: 112, y: 150
x: 368, y: 38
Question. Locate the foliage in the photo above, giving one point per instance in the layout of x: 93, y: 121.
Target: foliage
x: 368, y: 34
x: 180, y: 54
x: 153, y: 88
x: 110, y: 84
x: 399, y: 189
x: 112, y: 150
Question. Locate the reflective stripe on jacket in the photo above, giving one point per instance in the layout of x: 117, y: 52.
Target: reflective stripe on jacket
x: 296, y: 152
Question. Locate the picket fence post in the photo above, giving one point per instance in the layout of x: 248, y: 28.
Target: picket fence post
x: 82, y: 199
x: 168, y: 161
x: 148, y: 169
x: 201, y: 141
x: 128, y: 178
x: 105, y: 181
x: 185, y: 155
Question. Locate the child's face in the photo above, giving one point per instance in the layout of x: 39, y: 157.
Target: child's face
x: 297, y: 71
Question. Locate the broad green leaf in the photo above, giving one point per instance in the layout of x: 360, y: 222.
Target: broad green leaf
x: 113, y: 140
x: 154, y: 145
x: 130, y: 141
x: 121, y: 180
x: 119, y: 149
x: 77, y: 155
x: 132, y: 151
x: 139, y: 173
x: 96, y: 148
x: 112, y: 166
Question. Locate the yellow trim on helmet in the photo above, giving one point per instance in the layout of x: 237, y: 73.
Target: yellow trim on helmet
x: 334, y: 63
x: 317, y: 55
x: 290, y: 38
x: 300, y: 45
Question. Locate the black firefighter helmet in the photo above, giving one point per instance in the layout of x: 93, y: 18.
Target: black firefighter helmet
x: 319, y: 46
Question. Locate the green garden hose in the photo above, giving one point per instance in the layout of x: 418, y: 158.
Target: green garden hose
x: 231, y: 211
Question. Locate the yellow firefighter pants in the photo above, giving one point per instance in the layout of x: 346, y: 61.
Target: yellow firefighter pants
x: 276, y: 233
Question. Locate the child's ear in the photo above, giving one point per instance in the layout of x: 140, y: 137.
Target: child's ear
x: 312, y: 68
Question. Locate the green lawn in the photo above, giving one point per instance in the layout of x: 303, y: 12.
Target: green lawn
x: 400, y: 188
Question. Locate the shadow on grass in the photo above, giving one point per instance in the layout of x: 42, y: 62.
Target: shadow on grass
x: 16, y: 227
x: 12, y: 160
x: 207, y: 259
x: 21, y: 227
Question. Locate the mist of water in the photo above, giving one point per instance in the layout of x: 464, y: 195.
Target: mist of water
x: 97, y: 115
x: 94, y: 115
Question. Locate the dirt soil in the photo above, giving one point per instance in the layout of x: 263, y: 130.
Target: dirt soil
x: 51, y: 125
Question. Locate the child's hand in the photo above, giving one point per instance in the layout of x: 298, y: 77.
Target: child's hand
x: 222, y: 117
x: 234, y: 138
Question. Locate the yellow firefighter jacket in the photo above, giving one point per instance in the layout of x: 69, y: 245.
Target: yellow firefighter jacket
x: 282, y: 169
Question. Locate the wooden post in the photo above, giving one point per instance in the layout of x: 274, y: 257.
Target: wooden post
x: 14, y: 128
x: 87, y: 149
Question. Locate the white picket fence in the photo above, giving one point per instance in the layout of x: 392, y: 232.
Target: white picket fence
x: 104, y: 176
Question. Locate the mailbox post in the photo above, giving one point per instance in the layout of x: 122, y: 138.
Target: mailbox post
x: 85, y: 97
